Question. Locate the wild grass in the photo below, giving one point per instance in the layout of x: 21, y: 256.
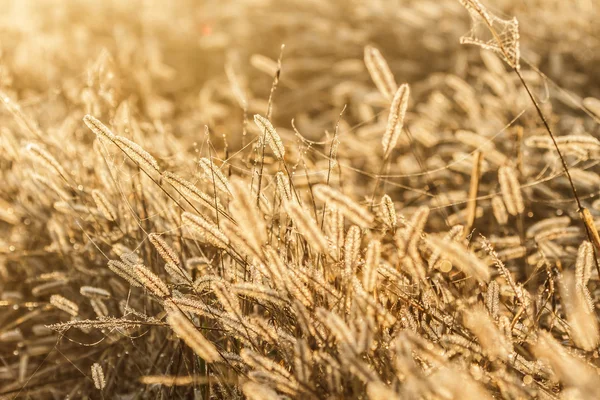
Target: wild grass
x: 189, y: 211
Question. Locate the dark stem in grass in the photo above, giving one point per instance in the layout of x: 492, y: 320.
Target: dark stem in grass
x: 591, y: 231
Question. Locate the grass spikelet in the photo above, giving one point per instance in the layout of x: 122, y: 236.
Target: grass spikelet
x: 511, y: 190
x: 283, y: 186
x: 512, y: 253
x: 190, y: 334
x: 247, y: 215
x: 307, y: 226
x: 492, y: 299
x: 228, y: 300
x: 136, y: 153
x: 257, y: 391
x: 164, y: 250
x: 94, y: 292
x: 152, y: 282
x: 99, y: 307
x: 125, y: 271
x: 499, y: 210
x: 582, y: 320
x: 190, y: 191
x: 98, y: 376
x: 436, y: 259
x: 337, y: 326
x: 351, y: 250
x: 461, y: 258
x: 569, y: 369
x: 380, y: 72
x: 46, y: 159
x: 345, y: 204
x: 102, y: 203
x: 237, y: 240
x: 408, y: 238
x: 372, y: 259
x: 492, y: 341
x: 271, y: 136
x: 215, y: 176
x: 395, y: 120
x: 64, y: 304
x: 584, y: 263
x: 334, y: 227
x: 98, y: 128
x: 546, y: 225
x: 209, y: 231
x: 388, y: 211
x: 178, y: 274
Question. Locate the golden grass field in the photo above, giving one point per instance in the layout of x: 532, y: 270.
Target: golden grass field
x: 299, y: 199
